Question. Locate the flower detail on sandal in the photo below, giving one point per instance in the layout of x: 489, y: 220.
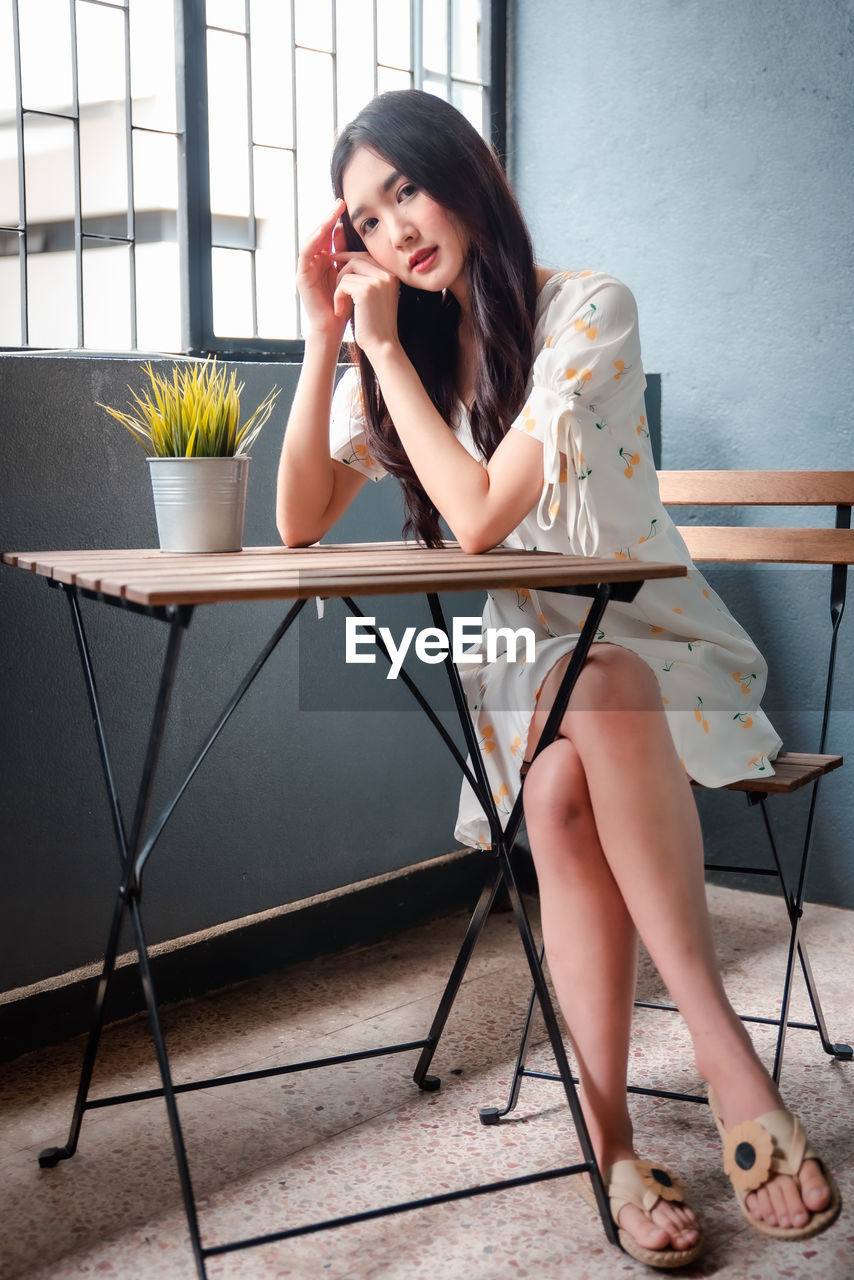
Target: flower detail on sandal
x: 660, y: 1181
x: 747, y: 1155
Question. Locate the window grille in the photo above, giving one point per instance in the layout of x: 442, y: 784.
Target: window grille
x: 161, y: 160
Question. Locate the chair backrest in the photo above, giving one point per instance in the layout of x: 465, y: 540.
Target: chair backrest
x: 757, y: 488
x: 761, y: 544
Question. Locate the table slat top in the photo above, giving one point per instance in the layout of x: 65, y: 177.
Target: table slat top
x: 151, y: 577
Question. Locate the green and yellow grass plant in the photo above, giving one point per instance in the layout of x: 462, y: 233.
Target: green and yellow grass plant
x: 193, y: 414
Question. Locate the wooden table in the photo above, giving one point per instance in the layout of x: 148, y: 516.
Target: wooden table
x: 169, y: 587
x: 284, y: 573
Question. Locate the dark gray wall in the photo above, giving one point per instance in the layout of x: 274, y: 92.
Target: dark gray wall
x: 323, y: 777
x: 703, y: 153
x: 312, y: 785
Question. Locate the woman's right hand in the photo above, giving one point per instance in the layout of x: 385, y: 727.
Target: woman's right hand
x: 320, y: 261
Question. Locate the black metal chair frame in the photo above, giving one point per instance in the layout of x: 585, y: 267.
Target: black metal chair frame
x: 136, y: 843
x: 794, y: 897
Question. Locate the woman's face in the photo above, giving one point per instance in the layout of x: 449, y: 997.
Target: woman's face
x: 404, y: 230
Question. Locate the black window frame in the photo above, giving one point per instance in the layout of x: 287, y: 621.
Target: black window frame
x: 194, y: 219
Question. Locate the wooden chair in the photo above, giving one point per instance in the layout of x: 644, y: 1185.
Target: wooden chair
x: 750, y: 544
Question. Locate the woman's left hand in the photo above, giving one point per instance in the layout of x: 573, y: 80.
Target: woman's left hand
x: 370, y: 294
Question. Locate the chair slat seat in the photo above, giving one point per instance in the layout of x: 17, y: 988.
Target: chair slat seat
x: 792, y: 770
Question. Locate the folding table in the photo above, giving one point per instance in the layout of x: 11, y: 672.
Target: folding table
x: 168, y: 588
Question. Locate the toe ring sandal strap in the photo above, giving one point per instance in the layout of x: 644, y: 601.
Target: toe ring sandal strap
x: 643, y: 1184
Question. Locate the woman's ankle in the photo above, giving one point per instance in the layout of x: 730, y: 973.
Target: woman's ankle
x: 726, y: 1050
x: 607, y: 1156
x: 740, y: 1081
x: 611, y: 1138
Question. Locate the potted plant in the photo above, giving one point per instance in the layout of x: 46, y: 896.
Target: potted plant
x: 190, y: 428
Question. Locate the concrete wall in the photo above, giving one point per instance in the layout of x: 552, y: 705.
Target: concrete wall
x: 703, y: 151
x: 320, y: 780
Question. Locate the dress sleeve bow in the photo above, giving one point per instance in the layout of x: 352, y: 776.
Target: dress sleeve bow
x: 586, y: 379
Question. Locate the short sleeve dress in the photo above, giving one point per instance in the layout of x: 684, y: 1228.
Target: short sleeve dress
x: 599, y: 498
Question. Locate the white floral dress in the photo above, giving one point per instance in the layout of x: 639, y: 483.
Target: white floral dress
x: 600, y: 498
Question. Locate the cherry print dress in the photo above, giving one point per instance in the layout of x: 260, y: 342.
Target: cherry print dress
x: 599, y: 498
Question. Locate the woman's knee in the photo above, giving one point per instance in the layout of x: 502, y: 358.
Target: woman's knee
x: 615, y: 679
x: 612, y: 679
x: 556, y: 787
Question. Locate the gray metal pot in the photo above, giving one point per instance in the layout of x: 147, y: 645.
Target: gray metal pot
x: 199, y: 502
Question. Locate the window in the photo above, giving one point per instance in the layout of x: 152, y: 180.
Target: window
x: 161, y: 160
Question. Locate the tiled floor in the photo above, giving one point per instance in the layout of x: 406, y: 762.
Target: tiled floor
x: 292, y: 1149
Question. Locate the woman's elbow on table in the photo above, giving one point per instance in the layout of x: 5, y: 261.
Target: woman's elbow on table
x: 476, y: 536
x: 293, y: 535
x: 474, y: 543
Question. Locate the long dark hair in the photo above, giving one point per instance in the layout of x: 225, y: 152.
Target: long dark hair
x: 434, y: 146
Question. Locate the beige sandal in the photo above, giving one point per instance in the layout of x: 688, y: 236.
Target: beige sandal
x: 773, y: 1143
x: 643, y: 1184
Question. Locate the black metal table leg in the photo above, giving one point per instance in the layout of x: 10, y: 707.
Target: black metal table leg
x: 503, y: 842
x: 136, y: 848
x: 557, y: 1046
x: 449, y: 995
x: 51, y: 1156
x: 178, y: 1145
x: 133, y: 852
x: 178, y: 621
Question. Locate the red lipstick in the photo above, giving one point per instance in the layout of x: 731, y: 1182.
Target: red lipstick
x: 423, y: 259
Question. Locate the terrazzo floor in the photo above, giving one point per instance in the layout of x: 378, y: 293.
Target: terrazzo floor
x: 295, y: 1148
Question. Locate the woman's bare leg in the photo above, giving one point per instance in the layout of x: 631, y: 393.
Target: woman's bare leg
x: 588, y: 932
x: 650, y: 836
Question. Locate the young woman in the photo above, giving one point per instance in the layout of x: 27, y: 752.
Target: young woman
x: 508, y: 399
